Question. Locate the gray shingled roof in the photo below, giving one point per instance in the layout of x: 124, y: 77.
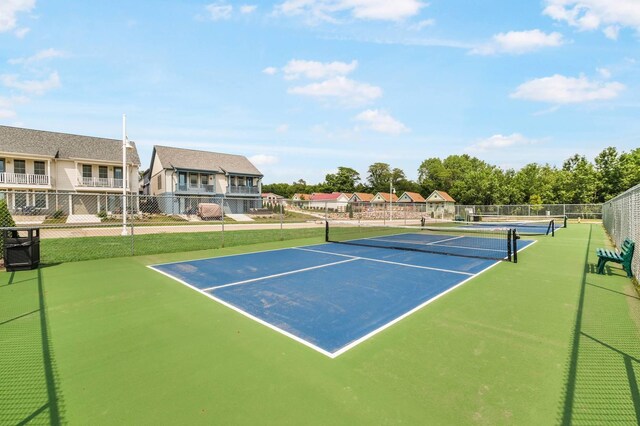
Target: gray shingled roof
x: 191, y: 159
x: 63, y: 145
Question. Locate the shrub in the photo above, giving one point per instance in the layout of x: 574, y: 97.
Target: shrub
x: 5, y: 221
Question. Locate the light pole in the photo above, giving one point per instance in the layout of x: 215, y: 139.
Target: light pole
x: 391, y: 192
x: 125, y: 145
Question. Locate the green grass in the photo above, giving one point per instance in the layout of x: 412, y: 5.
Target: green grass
x: 58, y: 250
x: 544, y: 341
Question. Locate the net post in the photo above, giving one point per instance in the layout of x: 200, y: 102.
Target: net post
x: 326, y: 231
x: 514, y: 236
x: 553, y: 228
x: 509, y: 244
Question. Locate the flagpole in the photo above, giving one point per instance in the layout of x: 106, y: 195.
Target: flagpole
x: 124, y: 175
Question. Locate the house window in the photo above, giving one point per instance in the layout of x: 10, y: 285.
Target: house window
x: 2, y: 170
x: 159, y: 181
x: 117, y: 173
x: 38, y: 168
x: 86, y: 171
x: 249, y: 181
x: 19, y: 167
x: 103, y: 172
x: 204, y: 180
x: 193, y: 180
x: 40, y: 200
x: 20, y: 199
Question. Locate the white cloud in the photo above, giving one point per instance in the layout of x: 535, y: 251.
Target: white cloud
x: 270, y: 70
x: 219, y: 11
x: 422, y: 24
x: 315, y: 70
x: 348, y: 92
x: 36, y: 87
x: 263, y: 159
x: 21, y: 32
x: 326, y: 10
x: 382, y: 122
x: 9, y: 9
x: 611, y: 32
x: 7, y: 105
x: 588, y: 15
x: 559, y: 89
x: 499, y: 141
x: 248, y: 8
x: 518, y: 42
x: 604, y: 72
x: 283, y: 128
x: 39, y: 56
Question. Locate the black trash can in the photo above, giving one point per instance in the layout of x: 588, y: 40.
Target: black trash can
x: 21, y: 249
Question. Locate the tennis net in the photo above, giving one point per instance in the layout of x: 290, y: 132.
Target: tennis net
x: 525, y: 225
x: 487, y: 243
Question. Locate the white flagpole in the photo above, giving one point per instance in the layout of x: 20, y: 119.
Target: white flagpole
x: 124, y: 174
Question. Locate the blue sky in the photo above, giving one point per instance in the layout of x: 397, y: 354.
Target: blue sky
x: 302, y: 87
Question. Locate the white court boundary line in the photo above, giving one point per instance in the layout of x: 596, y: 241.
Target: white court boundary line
x: 351, y: 345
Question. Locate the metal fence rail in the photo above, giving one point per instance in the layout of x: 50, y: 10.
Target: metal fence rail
x: 572, y: 211
x: 621, y: 218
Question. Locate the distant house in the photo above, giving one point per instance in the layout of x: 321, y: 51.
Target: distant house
x: 440, y: 204
x: 36, y: 164
x: 145, y: 182
x: 206, y: 176
x: 301, y: 197
x: 361, y: 197
x: 383, y: 197
x: 411, y: 197
x: 270, y: 197
x: 335, y: 201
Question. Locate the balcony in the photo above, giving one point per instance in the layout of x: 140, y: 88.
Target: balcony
x: 24, y: 179
x: 200, y: 189
x: 94, y: 182
x: 242, y: 189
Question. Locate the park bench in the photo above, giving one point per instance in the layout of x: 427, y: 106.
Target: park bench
x: 624, y: 256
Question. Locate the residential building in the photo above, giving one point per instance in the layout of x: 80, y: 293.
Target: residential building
x: 206, y: 177
x: 440, y: 204
x: 39, y: 168
x: 301, y: 197
x: 335, y: 201
x: 270, y: 197
x: 411, y: 197
x: 383, y: 197
x: 361, y: 197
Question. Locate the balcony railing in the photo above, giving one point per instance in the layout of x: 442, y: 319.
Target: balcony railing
x: 209, y: 189
x: 95, y: 182
x: 242, y: 189
x: 24, y: 179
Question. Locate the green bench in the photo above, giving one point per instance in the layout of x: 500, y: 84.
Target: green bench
x: 623, y: 257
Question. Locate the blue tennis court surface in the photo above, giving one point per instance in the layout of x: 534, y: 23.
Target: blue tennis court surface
x: 330, y: 296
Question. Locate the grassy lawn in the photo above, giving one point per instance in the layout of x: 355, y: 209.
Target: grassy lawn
x: 110, y: 341
x: 58, y: 250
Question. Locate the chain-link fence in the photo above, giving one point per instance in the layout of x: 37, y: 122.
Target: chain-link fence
x: 621, y: 218
x: 572, y: 211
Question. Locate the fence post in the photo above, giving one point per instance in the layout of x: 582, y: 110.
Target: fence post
x: 281, y: 220
x: 222, y: 232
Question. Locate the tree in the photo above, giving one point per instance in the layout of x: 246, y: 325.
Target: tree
x: 583, y: 180
x: 345, y: 180
x: 630, y: 165
x: 609, y: 169
x: 378, y: 177
x: 431, y: 175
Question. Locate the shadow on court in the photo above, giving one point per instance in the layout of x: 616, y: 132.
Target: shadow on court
x: 28, y: 391
x: 603, y: 370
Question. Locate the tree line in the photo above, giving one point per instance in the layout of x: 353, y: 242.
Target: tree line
x: 470, y: 180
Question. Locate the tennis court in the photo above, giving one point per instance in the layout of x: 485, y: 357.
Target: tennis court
x: 332, y: 297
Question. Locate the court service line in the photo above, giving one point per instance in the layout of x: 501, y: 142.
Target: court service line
x: 278, y: 275
x: 408, y: 265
